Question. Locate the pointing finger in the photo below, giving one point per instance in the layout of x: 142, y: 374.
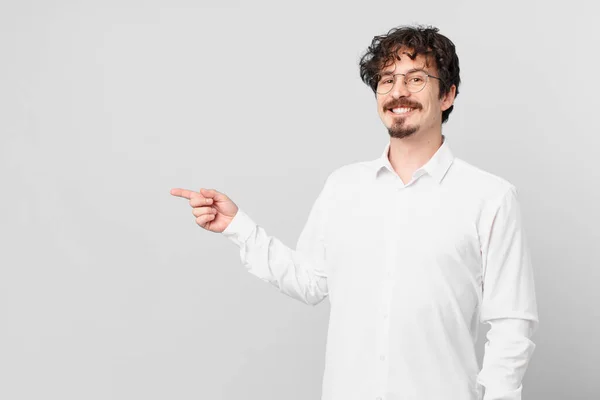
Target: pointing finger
x: 184, y: 193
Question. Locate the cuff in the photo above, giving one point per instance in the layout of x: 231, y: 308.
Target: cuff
x: 504, y: 395
x: 240, y: 228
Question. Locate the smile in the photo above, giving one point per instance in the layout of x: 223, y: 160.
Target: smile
x: 401, y: 110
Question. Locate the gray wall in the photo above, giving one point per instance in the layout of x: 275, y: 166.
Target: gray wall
x: 109, y: 290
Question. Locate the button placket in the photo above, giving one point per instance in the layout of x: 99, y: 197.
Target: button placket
x: 387, y: 288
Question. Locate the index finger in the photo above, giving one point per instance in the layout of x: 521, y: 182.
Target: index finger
x: 184, y: 193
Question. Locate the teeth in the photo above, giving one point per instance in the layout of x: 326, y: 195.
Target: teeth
x: 401, y: 110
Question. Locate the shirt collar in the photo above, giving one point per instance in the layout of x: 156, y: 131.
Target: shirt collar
x: 437, y: 166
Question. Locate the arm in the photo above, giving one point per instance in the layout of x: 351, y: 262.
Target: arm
x: 509, y: 303
x: 298, y: 273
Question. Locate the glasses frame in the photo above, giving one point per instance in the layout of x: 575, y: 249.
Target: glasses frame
x: 404, y: 81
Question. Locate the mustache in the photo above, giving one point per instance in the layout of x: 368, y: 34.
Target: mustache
x: 402, y: 103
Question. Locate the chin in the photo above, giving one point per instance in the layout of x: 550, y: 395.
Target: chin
x: 400, y: 131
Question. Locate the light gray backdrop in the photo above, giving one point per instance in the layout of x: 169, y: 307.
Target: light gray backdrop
x: 108, y: 288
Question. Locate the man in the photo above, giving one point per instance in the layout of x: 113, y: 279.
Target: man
x: 414, y: 248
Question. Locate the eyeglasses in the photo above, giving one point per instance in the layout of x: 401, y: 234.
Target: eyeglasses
x: 415, y: 81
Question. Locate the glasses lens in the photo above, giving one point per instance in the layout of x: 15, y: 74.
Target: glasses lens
x: 384, y: 83
x: 415, y: 81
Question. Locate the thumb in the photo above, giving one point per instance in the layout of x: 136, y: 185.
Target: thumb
x: 212, y: 194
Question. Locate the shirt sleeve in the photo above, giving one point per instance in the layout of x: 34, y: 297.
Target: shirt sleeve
x: 507, y: 353
x: 508, y: 303
x: 298, y: 273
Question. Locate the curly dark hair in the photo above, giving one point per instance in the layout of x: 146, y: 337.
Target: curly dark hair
x: 419, y: 39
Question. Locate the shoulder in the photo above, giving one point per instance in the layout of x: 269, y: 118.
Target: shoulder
x: 351, y: 174
x: 347, y: 181
x: 479, y: 182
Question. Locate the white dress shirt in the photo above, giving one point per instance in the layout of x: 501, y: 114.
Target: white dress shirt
x: 410, y: 271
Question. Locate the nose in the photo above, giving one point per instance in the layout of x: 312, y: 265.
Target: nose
x: 399, y: 89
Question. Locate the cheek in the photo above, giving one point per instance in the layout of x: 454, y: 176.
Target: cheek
x: 434, y: 105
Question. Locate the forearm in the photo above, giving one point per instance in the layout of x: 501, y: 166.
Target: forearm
x: 298, y: 274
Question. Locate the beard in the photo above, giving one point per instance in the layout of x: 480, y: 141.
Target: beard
x: 400, y: 130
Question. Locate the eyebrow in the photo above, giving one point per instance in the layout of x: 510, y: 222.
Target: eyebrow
x: 389, y: 73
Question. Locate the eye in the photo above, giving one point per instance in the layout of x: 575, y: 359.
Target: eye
x: 384, y: 79
x: 416, y: 79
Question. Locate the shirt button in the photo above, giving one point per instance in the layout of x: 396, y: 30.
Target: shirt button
x: 382, y: 358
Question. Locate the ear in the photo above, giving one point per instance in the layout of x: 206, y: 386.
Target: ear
x: 448, y: 98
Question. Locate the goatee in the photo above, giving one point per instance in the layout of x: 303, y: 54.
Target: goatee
x: 400, y: 131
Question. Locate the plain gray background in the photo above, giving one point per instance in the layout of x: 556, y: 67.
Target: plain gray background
x: 108, y: 288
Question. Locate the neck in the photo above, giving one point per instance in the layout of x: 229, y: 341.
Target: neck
x: 411, y: 153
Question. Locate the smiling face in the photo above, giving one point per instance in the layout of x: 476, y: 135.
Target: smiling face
x: 405, y: 113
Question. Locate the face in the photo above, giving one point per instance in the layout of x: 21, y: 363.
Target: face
x: 405, y: 113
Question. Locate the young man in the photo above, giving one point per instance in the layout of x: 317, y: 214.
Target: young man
x: 414, y: 248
